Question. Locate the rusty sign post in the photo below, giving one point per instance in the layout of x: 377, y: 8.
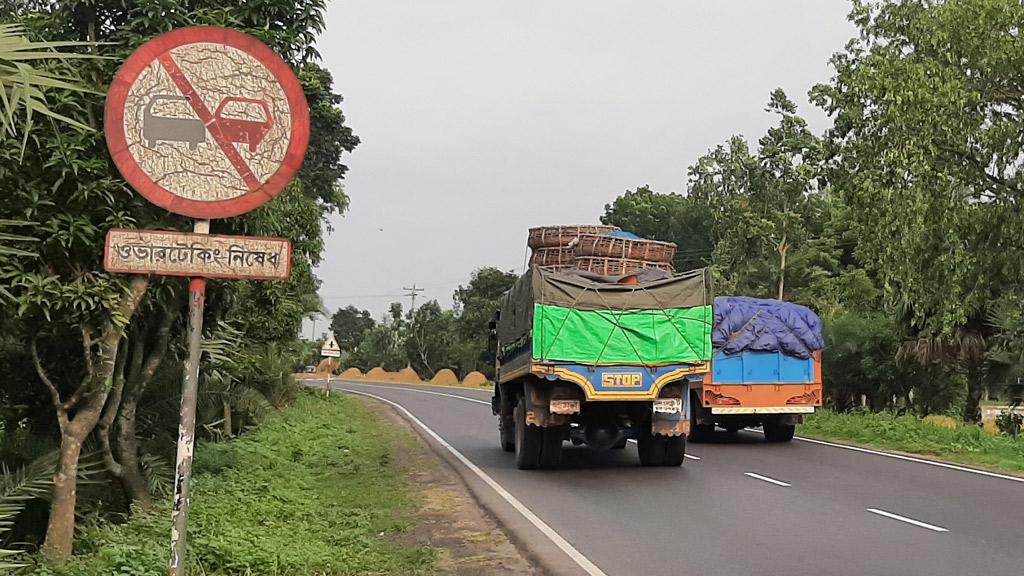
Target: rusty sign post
x: 179, y: 155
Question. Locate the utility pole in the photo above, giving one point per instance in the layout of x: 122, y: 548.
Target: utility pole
x: 412, y: 294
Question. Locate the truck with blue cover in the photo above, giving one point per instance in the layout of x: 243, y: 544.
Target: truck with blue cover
x: 765, y: 369
x: 597, y: 361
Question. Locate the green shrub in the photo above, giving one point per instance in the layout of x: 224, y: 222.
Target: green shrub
x: 1009, y: 423
x: 313, y: 491
x: 964, y: 443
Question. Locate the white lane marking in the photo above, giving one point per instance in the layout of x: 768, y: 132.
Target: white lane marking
x: 577, y: 557
x: 907, y: 520
x: 690, y: 456
x: 421, y: 392
x: 767, y: 479
x: 907, y: 458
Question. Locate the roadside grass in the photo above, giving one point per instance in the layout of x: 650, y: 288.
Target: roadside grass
x: 963, y: 443
x: 313, y: 491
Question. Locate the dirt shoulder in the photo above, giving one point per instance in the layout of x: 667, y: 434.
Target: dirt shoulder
x: 470, y: 541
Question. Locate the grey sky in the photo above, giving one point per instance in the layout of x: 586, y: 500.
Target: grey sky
x: 481, y: 118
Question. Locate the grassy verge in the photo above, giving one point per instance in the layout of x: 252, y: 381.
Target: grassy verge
x: 962, y: 443
x: 313, y: 491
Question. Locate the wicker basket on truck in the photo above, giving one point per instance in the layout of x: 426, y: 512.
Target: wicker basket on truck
x: 561, y: 236
x: 616, y: 266
x: 553, y: 258
x: 765, y: 371
x: 594, y: 361
x: 612, y: 246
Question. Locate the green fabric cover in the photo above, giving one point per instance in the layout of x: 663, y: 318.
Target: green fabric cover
x: 645, y: 337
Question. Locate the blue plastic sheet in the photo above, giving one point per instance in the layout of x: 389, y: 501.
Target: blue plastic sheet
x: 624, y: 234
x: 758, y: 325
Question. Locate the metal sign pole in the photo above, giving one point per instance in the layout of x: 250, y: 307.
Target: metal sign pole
x: 187, y: 425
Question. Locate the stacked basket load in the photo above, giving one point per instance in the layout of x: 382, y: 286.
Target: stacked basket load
x: 604, y: 250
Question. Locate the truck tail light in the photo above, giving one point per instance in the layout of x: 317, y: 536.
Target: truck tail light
x: 714, y: 399
x: 806, y: 398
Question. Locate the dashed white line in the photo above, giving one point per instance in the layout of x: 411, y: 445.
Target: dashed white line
x: 582, y: 561
x: 768, y: 480
x: 931, y: 527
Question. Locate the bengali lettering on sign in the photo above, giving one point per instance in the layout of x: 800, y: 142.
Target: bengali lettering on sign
x: 197, y: 255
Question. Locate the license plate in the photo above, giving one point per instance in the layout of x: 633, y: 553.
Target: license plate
x: 564, y: 406
x: 668, y: 405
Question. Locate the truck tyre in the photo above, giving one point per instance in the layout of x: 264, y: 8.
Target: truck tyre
x: 650, y: 449
x: 675, y: 450
x: 775, y: 431
x: 551, y: 449
x: 506, y: 429
x: 528, y: 439
x: 698, y: 432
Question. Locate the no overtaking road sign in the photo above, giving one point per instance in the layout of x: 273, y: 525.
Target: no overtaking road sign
x: 206, y: 122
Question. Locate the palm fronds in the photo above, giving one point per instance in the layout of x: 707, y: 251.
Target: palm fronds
x: 17, y: 489
x: 159, y: 474
x: 23, y: 85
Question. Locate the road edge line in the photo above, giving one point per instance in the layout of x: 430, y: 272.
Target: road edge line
x: 575, y: 555
x: 457, y: 397
x: 899, y: 456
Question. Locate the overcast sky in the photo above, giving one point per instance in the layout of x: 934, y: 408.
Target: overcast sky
x: 482, y: 118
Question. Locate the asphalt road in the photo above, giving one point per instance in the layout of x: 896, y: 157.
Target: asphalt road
x: 744, y: 507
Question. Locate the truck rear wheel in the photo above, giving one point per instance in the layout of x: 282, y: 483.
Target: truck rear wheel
x: 775, y: 431
x: 661, y: 450
x: 527, y: 439
x: 551, y: 449
x: 698, y: 432
x: 506, y: 428
x: 535, y: 447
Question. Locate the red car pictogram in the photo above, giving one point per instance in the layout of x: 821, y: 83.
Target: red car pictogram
x: 240, y: 130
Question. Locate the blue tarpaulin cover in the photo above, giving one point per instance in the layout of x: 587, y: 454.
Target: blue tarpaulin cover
x: 624, y: 234
x: 759, y: 325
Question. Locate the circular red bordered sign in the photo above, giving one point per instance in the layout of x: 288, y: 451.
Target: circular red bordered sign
x: 206, y: 122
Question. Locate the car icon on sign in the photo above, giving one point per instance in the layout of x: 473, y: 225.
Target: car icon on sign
x: 168, y: 128
x: 240, y: 130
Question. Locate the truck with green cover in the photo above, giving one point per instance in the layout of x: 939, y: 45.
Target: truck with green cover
x: 598, y: 361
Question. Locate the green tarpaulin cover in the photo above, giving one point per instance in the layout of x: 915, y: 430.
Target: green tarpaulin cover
x: 566, y: 317
x: 676, y: 335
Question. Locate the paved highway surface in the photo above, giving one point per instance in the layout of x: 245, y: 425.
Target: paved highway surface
x: 737, y: 506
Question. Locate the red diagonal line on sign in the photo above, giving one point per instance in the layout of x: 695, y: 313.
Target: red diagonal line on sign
x: 167, y: 61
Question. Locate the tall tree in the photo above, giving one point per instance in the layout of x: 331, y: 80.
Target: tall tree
x: 349, y: 326
x: 762, y: 200
x: 927, y: 147
x: 475, y: 305
x: 685, y: 220
x: 430, y: 339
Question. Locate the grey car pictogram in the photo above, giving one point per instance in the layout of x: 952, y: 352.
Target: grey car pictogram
x: 168, y: 128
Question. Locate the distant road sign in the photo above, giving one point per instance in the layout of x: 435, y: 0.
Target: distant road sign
x: 197, y: 255
x: 330, y: 348
x: 206, y: 122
